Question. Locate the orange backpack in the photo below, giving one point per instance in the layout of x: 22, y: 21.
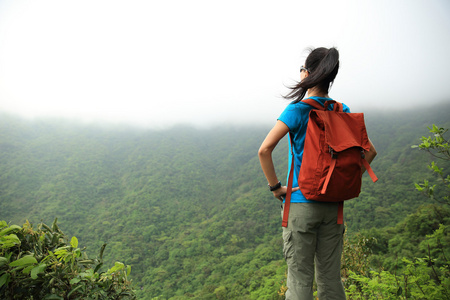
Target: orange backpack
x: 332, y: 157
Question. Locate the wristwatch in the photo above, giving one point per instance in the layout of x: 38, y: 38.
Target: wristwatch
x: 275, y: 187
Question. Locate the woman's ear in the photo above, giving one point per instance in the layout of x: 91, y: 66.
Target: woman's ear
x: 303, y: 75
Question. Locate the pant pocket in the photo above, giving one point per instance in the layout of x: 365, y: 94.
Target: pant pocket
x: 288, y: 245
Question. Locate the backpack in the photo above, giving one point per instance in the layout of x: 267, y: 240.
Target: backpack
x: 332, y: 157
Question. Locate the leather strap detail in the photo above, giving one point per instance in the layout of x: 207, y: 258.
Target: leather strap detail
x: 340, y: 218
x: 287, y: 200
x: 330, y: 171
x: 369, y: 170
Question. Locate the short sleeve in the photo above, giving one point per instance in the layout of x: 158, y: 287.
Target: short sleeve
x: 291, y: 117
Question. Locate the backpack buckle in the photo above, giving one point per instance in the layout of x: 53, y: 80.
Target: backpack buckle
x: 332, y: 153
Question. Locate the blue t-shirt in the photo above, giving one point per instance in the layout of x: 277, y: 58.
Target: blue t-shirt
x: 296, y: 116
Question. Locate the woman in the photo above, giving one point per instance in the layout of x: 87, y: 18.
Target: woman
x: 313, y: 239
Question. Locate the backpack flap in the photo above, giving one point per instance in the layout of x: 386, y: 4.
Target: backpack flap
x: 344, y: 130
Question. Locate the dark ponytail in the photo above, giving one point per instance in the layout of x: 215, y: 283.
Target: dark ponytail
x: 322, y: 65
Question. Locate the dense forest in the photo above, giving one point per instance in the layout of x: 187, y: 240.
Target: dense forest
x: 189, y: 208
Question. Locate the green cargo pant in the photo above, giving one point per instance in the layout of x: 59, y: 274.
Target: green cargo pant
x: 313, y: 240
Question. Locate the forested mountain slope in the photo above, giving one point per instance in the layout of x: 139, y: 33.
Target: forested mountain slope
x: 187, y: 208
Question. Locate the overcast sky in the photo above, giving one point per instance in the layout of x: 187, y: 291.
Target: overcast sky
x: 158, y: 63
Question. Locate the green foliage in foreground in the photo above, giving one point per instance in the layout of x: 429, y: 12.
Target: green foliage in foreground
x: 438, y: 146
x: 40, y: 264
x: 419, y: 278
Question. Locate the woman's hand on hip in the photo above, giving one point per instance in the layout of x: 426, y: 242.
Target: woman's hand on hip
x: 280, y: 193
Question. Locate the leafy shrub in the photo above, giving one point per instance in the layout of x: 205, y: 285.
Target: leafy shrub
x: 41, y: 264
x: 438, y: 146
x: 421, y: 278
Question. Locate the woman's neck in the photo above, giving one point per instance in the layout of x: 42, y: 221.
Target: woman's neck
x: 314, y: 92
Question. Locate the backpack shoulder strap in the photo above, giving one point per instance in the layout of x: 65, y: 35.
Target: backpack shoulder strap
x: 313, y: 103
x: 287, y: 199
x: 337, y: 105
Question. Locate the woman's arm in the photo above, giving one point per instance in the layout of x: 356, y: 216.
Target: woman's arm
x: 370, y: 155
x: 265, y: 157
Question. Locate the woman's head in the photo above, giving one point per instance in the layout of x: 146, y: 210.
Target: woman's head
x: 320, y: 69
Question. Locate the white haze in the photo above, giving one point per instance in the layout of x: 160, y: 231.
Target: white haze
x: 159, y: 63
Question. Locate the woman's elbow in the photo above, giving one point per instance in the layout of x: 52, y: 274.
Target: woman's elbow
x: 371, y: 154
x: 373, y: 150
x: 264, y: 151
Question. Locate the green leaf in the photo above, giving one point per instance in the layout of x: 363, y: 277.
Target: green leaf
x: 37, y: 270
x: 74, y: 290
x: 399, y: 291
x: 3, y: 224
x: 60, y: 253
x: 418, y: 187
x: 86, y: 262
x: 28, y: 269
x: 9, y: 229
x: 9, y: 241
x: 117, y: 267
x: 101, y: 251
x: 55, y: 226
x: 3, y: 261
x: 74, y: 242
x: 98, y: 267
x: 4, y: 279
x: 26, y: 260
x: 75, y: 280
x: 88, y: 274
x: 53, y: 297
x: 128, y: 270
